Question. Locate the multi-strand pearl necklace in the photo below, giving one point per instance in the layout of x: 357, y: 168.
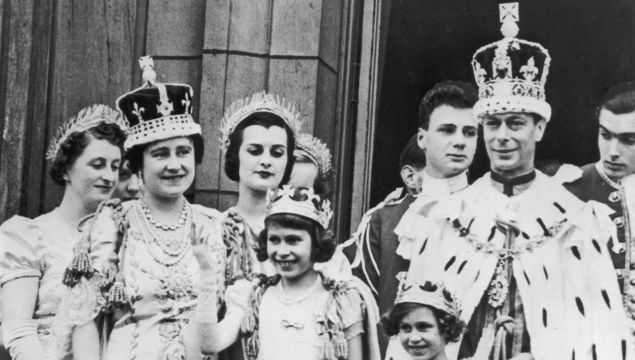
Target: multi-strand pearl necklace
x: 148, y: 215
x: 174, y: 248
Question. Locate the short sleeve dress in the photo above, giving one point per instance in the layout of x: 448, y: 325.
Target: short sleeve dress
x: 42, y: 248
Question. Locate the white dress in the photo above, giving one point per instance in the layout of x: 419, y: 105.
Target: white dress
x: 42, y: 248
x: 294, y: 328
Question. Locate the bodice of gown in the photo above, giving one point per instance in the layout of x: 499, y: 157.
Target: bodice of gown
x: 290, y: 328
x: 163, y: 290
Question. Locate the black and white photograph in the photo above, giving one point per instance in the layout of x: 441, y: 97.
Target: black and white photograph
x: 317, y: 180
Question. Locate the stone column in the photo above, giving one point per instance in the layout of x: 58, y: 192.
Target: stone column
x: 287, y: 47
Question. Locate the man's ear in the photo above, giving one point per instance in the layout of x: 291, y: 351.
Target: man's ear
x: 541, y: 125
x: 409, y: 177
x: 422, y: 138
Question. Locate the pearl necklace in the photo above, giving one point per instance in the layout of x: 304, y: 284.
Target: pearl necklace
x: 282, y: 294
x: 174, y: 249
x: 148, y: 215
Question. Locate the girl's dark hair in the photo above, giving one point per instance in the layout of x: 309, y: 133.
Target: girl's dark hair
x: 322, y: 242
x: 322, y: 184
x: 71, y: 148
x: 135, y: 154
x: 266, y: 120
x: 450, y: 327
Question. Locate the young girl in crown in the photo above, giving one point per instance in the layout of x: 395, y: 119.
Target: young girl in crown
x: 425, y: 318
x: 297, y: 313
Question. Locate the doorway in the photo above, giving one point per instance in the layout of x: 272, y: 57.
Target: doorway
x: 592, y: 45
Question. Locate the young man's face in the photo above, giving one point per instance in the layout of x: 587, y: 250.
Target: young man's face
x: 510, y: 140
x: 616, y: 142
x: 449, y: 141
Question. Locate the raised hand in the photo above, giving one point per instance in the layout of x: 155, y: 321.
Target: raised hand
x: 200, y: 249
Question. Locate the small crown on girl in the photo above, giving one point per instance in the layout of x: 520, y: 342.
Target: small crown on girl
x: 316, y: 150
x: 299, y: 201
x: 258, y: 102
x: 87, y: 118
x: 430, y: 293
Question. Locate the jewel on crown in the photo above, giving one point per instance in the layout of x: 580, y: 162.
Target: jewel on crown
x: 87, y: 118
x: 511, y: 73
x: 299, y: 201
x: 316, y: 150
x: 258, y: 102
x: 430, y: 293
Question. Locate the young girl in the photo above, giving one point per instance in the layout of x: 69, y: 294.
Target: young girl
x: 425, y: 318
x: 297, y: 313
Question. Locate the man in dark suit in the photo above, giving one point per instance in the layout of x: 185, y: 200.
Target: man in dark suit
x: 433, y: 165
x: 611, y: 181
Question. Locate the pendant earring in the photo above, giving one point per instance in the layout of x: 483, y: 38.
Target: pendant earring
x: 140, y: 176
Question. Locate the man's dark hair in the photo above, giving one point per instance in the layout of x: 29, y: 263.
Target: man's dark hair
x: 412, y: 155
x: 619, y: 99
x: 458, y: 94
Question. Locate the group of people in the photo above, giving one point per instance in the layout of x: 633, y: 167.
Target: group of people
x: 520, y: 264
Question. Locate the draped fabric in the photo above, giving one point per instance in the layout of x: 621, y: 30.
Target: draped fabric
x: 560, y: 262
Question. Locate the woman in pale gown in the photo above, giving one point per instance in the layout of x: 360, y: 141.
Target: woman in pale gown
x: 85, y: 157
x: 142, y: 286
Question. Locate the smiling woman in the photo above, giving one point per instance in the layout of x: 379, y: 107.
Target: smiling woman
x: 86, y: 156
x: 142, y: 261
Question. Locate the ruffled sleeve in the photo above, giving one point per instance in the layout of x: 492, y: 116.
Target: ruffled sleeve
x: 22, y: 249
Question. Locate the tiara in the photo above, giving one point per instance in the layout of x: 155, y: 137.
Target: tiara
x: 87, y: 118
x: 316, y: 150
x: 299, y: 201
x: 431, y: 293
x: 258, y: 102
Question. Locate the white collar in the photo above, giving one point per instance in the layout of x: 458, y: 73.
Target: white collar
x: 445, y: 186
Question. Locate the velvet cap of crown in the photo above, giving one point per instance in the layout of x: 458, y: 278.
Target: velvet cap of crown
x: 511, y: 73
x: 299, y: 201
x: 157, y: 111
x: 429, y: 293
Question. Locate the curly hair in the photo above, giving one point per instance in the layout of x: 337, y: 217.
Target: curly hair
x: 76, y: 143
x: 135, y: 154
x: 322, y: 185
x: 450, y: 327
x: 266, y: 120
x: 322, y: 242
x: 458, y: 94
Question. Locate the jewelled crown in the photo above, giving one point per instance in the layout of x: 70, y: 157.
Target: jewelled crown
x: 87, y: 118
x: 430, y: 293
x: 299, y: 201
x: 258, y: 102
x: 315, y: 150
x: 511, y: 73
x: 157, y: 111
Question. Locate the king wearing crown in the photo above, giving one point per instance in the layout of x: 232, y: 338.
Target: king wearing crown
x: 528, y: 261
